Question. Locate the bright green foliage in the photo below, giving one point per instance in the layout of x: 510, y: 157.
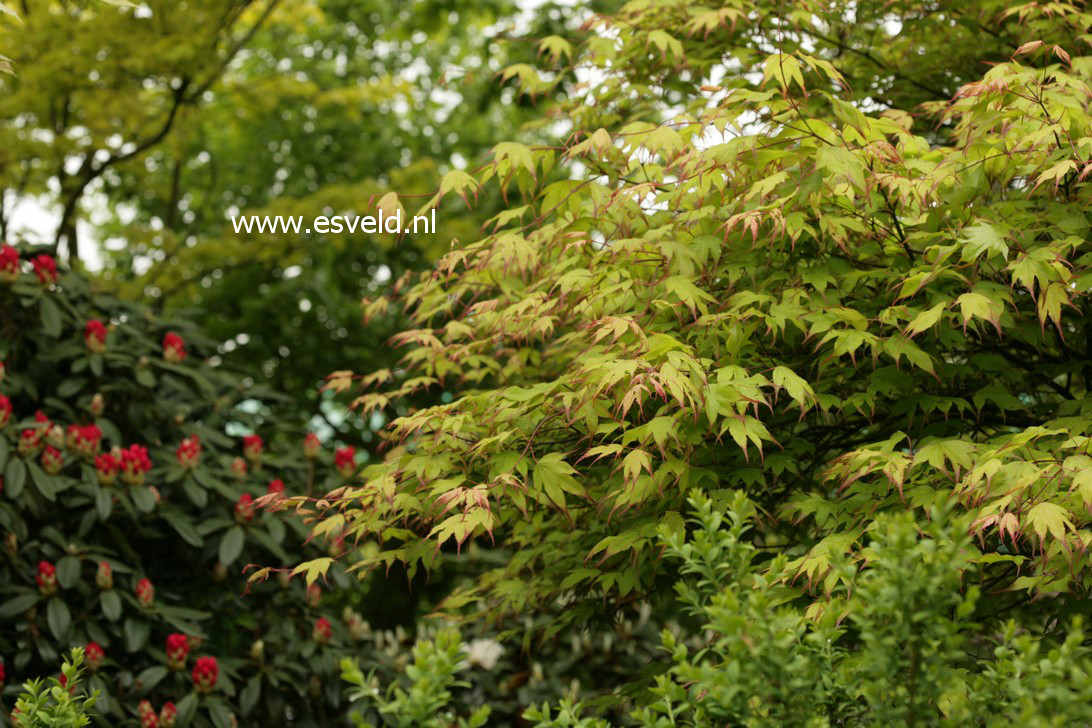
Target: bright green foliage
x: 425, y: 702
x: 10, y: 21
x: 51, y: 704
x: 774, y: 252
x: 901, y: 646
x: 568, y: 714
x: 502, y: 677
x: 96, y: 87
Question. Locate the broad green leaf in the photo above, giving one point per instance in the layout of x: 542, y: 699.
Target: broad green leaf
x: 231, y: 545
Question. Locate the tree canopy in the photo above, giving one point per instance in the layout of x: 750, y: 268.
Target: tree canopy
x: 177, y: 117
x: 831, y: 257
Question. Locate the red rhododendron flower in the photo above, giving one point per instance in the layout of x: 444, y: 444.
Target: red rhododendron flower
x: 312, y: 446
x: 322, y: 631
x: 45, y: 267
x: 178, y: 650
x: 238, y: 468
x: 3, y: 676
x: 5, y: 411
x: 345, y: 461
x: 52, y: 460
x: 104, y: 577
x: 252, y: 447
x: 47, y: 578
x: 276, y: 486
x: 147, y: 714
x: 89, y: 439
x: 145, y: 592
x: 70, y: 436
x: 244, y: 508
x: 205, y: 674
x: 107, y: 466
x: 94, y: 336
x: 189, y: 452
x: 84, y: 440
x: 9, y: 264
x: 135, y: 464
x: 168, y: 715
x: 30, y: 440
x: 94, y: 655
x: 174, y: 348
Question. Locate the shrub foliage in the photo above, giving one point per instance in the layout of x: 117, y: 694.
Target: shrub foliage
x: 133, y: 471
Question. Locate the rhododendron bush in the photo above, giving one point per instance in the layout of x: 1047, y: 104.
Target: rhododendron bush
x: 832, y: 256
x: 129, y: 509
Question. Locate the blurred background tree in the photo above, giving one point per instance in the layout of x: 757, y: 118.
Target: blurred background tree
x: 157, y: 123
x: 137, y: 131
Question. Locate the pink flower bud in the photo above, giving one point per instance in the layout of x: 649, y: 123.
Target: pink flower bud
x: 94, y: 655
x: 52, y: 460
x: 135, y: 465
x: 345, y: 461
x: 9, y: 264
x: 104, y: 577
x: 145, y: 593
x: 168, y: 715
x: 94, y: 336
x: 174, y: 348
x: 205, y: 674
x: 322, y: 631
x: 189, y: 452
x: 244, y: 508
x: 106, y: 467
x: 47, y: 578
x: 178, y: 650
x: 45, y: 267
x: 252, y: 447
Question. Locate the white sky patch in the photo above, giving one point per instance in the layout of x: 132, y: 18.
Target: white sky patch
x: 34, y: 220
